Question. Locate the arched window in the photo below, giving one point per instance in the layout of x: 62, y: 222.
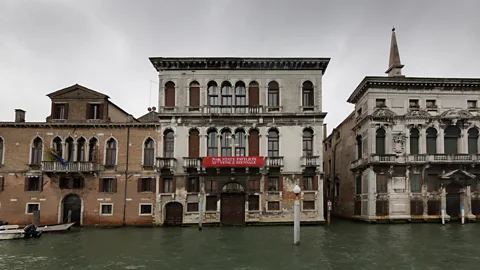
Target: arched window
x: 212, y: 93
x: 1, y: 150
x: 307, y: 94
x: 254, y: 143
x: 452, y: 135
x: 168, y: 143
x: 380, y: 141
x: 81, y: 149
x: 227, y: 93
x: 212, y: 143
x: 240, y: 94
x: 431, y: 141
x: 194, y: 95
x: 226, y: 143
x: 253, y: 94
x: 473, y: 141
x: 240, y: 143
x: 414, y: 139
x: 273, y: 143
x: 111, y: 153
x: 70, y: 149
x: 359, y: 146
x: 37, y: 149
x: 149, y: 152
x: 273, y: 94
x: 194, y: 143
x: 57, y: 146
x: 307, y: 142
x: 169, y: 94
x: 93, y: 153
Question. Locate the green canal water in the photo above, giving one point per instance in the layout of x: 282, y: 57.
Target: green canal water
x: 346, y: 245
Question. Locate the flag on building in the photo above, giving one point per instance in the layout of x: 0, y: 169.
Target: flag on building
x: 59, y: 158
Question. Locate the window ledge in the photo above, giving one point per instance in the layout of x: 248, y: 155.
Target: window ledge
x: 253, y: 211
x: 146, y: 215
x: 192, y: 192
x: 274, y: 211
x: 146, y: 192
x: 106, y: 215
x: 211, y: 211
x: 273, y: 108
x: 309, y: 210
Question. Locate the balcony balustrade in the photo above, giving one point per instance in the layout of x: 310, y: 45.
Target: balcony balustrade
x: 166, y: 164
x: 312, y: 161
x: 273, y: 162
x: 192, y: 163
x: 72, y: 166
x: 230, y: 109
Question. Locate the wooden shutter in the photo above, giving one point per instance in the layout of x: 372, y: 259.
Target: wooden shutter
x: 280, y: 183
x: 66, y: 111
x: 194, y: 96
x: 40, y: 183
x: 315, y: 182
x: 253, y: 143
x: 253, y: 96
x: 214, y: 186
x: 170, y: 95
x: 52, y: 113
x: 194, y: 144
x: 2, y: 182
x: 153, y: 184
x: 114, y: 185
x: 100, y: 185
x: 174, y: 185
x: 139, y: 185
x: 88, y: 111
x: 101, y: 107
x: 25, y: 184
x: 160, y: 188
x: 265, y: 184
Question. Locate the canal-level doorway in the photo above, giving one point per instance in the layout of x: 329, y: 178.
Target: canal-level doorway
x: 74, y: 204
x: 453, y: 200
x: 173, y: 214
x: 232, y: 205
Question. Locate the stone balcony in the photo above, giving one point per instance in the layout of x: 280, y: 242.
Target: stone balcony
x: 230, y: 109
x: 169, y: 164
x: 416, y: 159
x: 192, y: 163
x: 74, y: 166
x: 273, y: 162
x: 311, y: 161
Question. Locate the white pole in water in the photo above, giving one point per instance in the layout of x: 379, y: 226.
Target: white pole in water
x: 200, y: 208
x: 463, y: 214
x: 443, y: 215
x: 296, y: 217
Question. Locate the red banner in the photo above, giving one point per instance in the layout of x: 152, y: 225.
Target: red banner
x: 216, y: 162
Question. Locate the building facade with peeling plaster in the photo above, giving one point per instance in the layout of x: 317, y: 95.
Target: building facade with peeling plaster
x: 239, y: 133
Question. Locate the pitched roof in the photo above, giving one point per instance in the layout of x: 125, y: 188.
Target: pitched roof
x: 76, y: 87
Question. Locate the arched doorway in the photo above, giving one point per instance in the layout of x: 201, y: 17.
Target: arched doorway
x: 173, y: 214
x: 453, y: 200
x: 232, y: 205
x: 73, y: 203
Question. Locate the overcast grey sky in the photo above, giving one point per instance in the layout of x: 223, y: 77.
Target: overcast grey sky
x: 46, y: 45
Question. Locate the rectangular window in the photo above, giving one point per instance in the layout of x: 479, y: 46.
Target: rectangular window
x: 472, y: 104
x: 64, y: 183
x: 308, y: 97
x: 413, y: 103
x: 193, y: 184
x: 108, y: 185
x: 273, y: 206
x: 431, y: 104
x: 253, y: 203
x: 254, y: 185
x: 33, y: 184
x: 308, y: 205
x: 273, y: 98
x: 167, y: 185
x: 416, y: 207
x: 146, y: 185
x: 416, y: 183
x: 71, y: 183
x: 211, y: 203
x: 59, y: 111
x: 31, y: 207
x: 382, y: 208
x: 273, y: 147
x: 192, y: 207
x: 94, y: 111
x: 432, y: 183
x: 211, y: 186
x: 337, y: 189
x: 146, y: 209
x: 307, y: 183
x: 106, y: 209
x: 381, y: 183
x: 2, y: 183
x: 273, y: 184
x: 358, y: 185
x: 380, y: 103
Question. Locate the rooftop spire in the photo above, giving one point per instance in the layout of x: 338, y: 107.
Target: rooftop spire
x: 394, y: 65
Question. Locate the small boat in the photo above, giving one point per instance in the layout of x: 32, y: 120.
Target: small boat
x: 9, y: 232
x: 56, y: 228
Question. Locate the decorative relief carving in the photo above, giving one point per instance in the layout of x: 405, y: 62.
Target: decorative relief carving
x: 399, y: 143
x: 383, y: 113
x: 456, y: 114
x: 417, y: 114
x: 398, y: 184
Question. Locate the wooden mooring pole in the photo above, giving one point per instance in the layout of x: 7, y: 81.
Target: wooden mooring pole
x: 329, y: 204
x: 36, y: 218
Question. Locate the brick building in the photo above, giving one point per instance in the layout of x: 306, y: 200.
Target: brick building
x: 109, y: 177
x: 239, y: 133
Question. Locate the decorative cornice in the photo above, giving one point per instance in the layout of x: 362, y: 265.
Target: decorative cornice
x: 406, y: 83
x: 75, y: 125
x: 233, y: 63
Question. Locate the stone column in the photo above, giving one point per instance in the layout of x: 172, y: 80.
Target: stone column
x: 75, y: 150
x: 371, y: 192
x: 203, y: 144
x: 263, y: 146
x: 246, y: 144
x: 444, y: 201
x: 440, y: 139
x: 388, y: 141
x: 468, y: 203
x: 424, y: 191
x: 423, y: 141
x: 372, y: 140
x: 463, y: 149
x: 407, y: 141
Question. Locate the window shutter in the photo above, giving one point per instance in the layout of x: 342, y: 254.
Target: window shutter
x: 170, y: 96
x: 280, y: 183
x: 66, y: 110
x: 88, y: 111
x: 40, y: 183
x: 194, y: 145
x: 194, y: 97
x: 265, y: 184
x: 25, y: 184
x: 139, y: 185
x: 114, y: 185
x: 253, y: 143
x: 100, y: 185
x: 2, y: 182
x: 174, y: 184
x: 52, y: 113
x: 160, y: 187
x: 100, y: 111
x: 153, y: 184
x: 214, y: 186
x: 315, y: 182
x: 253, y: 96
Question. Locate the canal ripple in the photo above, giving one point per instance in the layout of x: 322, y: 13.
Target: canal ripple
x: 346, y: 245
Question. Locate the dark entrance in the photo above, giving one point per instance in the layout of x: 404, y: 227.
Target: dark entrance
x: 453, y: 200
x: 72, y: 202
x: 232, y: 205
x: 174, y: 214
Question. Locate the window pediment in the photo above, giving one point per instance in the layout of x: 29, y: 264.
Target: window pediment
x: 456, y: 114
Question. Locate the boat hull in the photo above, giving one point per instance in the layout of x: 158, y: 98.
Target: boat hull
x: 55, y: 228
x: 12, y: 234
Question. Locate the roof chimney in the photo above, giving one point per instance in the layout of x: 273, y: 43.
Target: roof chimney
x: 19, y: 116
